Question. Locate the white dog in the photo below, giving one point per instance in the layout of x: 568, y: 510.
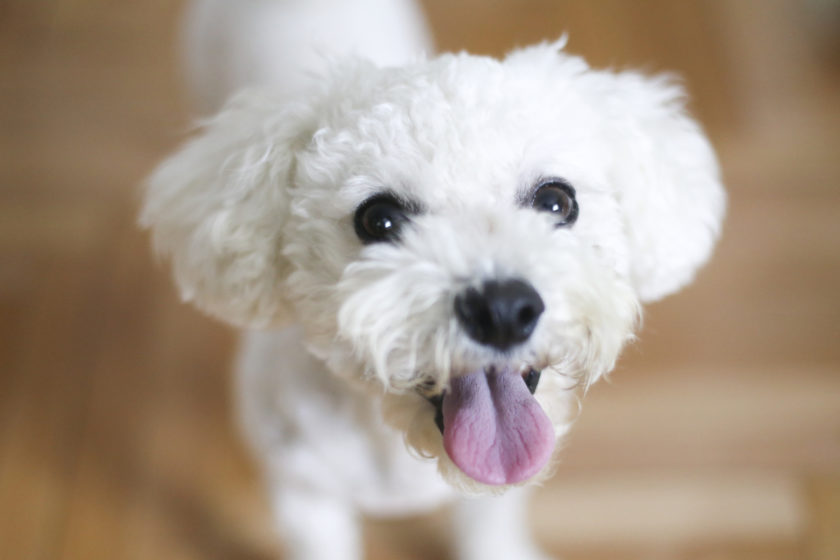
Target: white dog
x: 428, y: 256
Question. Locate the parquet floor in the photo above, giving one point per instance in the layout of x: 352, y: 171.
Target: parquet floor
x: 717, y: 438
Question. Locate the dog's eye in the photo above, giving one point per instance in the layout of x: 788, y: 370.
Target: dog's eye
x: 558, y: 198
x: 380, y: 218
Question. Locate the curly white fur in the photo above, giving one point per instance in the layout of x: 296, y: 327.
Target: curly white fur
x: 256, y: 214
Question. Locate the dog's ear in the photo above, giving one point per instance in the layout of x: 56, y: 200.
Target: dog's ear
x: 666, y: 178
x: 661, y: 167
x: 218, y: 205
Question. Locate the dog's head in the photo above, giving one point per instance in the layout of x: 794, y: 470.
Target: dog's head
x: 465, y: 232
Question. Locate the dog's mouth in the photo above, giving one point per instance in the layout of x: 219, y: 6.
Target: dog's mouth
x: 531, y: 377
x: 493, y: 428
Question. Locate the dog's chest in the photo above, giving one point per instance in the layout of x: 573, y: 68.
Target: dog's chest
x: 316, y: 431
x: 377, y: 469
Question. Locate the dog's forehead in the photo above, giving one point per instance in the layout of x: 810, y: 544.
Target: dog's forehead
x: 453, y: 128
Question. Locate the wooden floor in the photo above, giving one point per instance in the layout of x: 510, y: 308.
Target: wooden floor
x: 717, y: 438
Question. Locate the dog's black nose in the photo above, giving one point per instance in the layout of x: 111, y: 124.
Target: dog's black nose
x: 501, y: 314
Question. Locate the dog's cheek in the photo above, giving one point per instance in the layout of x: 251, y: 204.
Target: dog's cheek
x: 391, y: 312
x: 320, y: 245
x: 591, y: 312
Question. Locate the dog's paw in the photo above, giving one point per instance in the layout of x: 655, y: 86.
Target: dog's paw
x: 516, y: 556
x: 534, y: 554
x: 522, y: 552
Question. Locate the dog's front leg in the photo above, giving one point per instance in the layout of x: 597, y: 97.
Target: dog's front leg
x: 316, y: 526
x: 495, y: 528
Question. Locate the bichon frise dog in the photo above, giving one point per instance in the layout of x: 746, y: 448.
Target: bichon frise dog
x: 428, y: 257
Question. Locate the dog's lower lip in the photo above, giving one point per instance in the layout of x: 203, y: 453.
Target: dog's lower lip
x: 437, y: 402
x: 531, y: 378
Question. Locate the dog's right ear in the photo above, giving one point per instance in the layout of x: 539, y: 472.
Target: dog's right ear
x: 217, y: 208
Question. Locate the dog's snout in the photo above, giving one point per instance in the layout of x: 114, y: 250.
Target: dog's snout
x: 501, y: 314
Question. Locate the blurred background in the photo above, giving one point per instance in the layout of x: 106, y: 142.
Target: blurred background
x: 718, y: 436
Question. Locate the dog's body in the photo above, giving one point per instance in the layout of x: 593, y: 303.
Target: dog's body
x: 286, y: 44
x: 429, y: 257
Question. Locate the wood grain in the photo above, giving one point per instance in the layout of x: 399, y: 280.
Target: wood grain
x: 718, y: 436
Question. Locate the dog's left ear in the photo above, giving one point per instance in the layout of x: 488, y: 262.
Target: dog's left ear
x: 665, y: 176
x: 217, y: 208
x: 661, y: 169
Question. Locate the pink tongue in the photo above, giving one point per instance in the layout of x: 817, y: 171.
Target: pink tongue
x: 494, y: 429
